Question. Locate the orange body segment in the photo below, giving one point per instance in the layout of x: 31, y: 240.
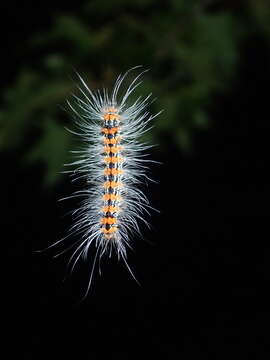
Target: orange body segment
x: 112, y: 149
x: 112, y: 184
x: 107, y: 117
x: 109, y: 231
x: 113, y: 172
x: 110, y: 130
x: 113, y: 159
x: 108, y: 220
x: 113, y: 141
x: 112, y: 197
x: 111, y: 209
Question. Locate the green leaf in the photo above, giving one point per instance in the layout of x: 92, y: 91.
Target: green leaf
x: 52, y: 150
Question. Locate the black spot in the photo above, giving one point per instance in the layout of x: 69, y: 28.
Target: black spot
x: 108, y: 226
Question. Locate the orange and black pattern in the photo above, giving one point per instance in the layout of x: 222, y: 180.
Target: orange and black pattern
x: 113, y: 171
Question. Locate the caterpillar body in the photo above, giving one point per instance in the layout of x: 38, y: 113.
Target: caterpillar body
x: 112, y: 163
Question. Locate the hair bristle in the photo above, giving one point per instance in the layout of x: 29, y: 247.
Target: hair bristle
x: 112, y: 164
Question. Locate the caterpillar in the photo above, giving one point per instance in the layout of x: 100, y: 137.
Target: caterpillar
x: 112, y: 162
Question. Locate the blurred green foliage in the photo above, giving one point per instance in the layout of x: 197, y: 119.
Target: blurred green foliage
x: 191, y: 47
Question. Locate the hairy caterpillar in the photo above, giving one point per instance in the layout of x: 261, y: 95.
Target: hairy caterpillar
x: 113, y: 165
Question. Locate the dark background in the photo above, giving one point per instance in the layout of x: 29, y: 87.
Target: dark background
x: 205, y: 279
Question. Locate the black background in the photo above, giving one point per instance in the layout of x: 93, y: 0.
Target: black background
x: 204, y: 281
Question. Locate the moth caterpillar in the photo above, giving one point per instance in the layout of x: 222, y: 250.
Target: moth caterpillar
x: 112, y: 163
